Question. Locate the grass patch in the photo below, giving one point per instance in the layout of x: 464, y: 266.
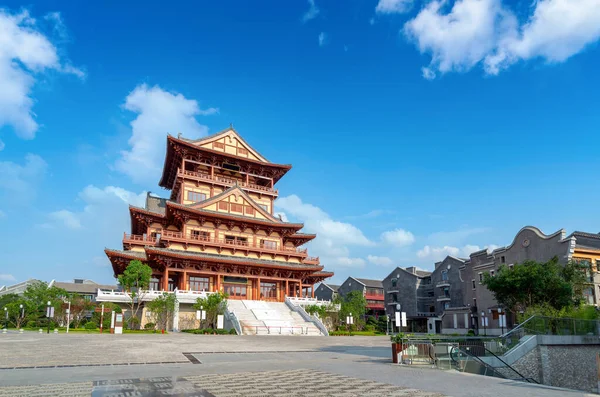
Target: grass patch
x: 356, y: 333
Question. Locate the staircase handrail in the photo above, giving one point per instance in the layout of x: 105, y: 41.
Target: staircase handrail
x: 465, y: 352
x: 518, y: 327
x: 234, y: 320
x: 307, y: 317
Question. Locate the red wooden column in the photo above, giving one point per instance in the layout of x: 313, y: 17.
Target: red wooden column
x: 312, y: 291
x: 166, y: 280
x: 300, y: 288
x: 287, y: 287
x: 258, y: 290
x: 183, y: 282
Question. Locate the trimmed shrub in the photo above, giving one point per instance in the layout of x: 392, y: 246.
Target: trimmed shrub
x: 90, y: 325
x: 149, y: 326
x: 232, y: 331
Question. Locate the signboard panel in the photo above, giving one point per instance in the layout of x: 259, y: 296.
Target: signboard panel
x: 118, y: 323
x: 220, y: 320
x: 404, y: 319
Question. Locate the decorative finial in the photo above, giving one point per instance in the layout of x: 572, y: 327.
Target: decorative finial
x: 178, y: 135
x: 231, y: 125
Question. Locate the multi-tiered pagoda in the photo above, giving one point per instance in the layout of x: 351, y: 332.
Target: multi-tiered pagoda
x: 217, y: 231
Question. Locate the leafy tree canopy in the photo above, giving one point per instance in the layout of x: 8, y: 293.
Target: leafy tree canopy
x: 135, y: 277
x: 533, y: 283
x: 214, y: 304
x: 353, y: 303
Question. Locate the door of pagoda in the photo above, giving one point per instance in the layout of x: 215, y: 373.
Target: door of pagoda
x: 235, y: 291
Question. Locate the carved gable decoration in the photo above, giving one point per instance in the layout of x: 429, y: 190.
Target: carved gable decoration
x: 230, y: 142
x: 235, y: 201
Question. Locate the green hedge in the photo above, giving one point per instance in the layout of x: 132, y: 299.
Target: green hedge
x: 209, y: 331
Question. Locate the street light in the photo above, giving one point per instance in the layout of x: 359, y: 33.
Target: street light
x: 483, y: 320
x: 6, y: 317
x: 48, y: 314
x: 398, y: 322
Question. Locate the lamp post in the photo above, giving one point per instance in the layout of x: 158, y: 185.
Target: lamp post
x: 48, y: 314
x: 22, y: 311
x: 387, y: 324
x: 484, y: 323
x: 68, y: 316
x: 6, y: 317
x: 398, y: 321
x: 501, y: 319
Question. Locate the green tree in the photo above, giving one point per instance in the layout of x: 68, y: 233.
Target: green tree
x: 135, y: 280
x: 79, y: 308
x: 354, y: 303
x: 162, y: 309
x: 534, y: 283
x: 38, y: 294
x: 214, y: 304
x: 97, y: 315
x: 18, y: 311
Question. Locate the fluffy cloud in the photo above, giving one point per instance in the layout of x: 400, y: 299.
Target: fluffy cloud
x: 104, y: 209
x: 393, y: 6
x: 312, y: 12
x: 323, y: 39
x: 380, y: 260
x: 18, y: 178
x: 25, y: 54
x: 7, y: 277
x: 398, y: 237
x: 333, y: 237
x: 439, y: 253
x: 158, y: 112
x: 485, y: 32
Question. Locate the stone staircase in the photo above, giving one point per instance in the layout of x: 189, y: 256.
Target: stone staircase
x: 270, y: 318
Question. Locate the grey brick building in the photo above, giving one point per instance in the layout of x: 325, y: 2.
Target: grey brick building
x: 372, y: 290
x: 326, y: 291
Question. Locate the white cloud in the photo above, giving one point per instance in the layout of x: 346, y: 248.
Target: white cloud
x: 312, y: 12
x: 103, y: 208
x: 25, y: 54
x: 323, y: 39
x: 393, y: 6
x: 428, y: 74
x: 380, y: 260
x: 486, y: 32
x: 318, y: 221
x: 7, y: 277
x: 439, y: 253
x: 455, y: 237
x: 398, y: 237
x: 557, y: 30
x: 333, y: 237
x: 68, y: 218
x: 21, y: 178
x: 158, y: 112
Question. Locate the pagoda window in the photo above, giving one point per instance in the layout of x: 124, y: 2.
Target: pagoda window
x: 264, y: 207
x: 236, y: 240
x: 242, y: 152
x: 154, y: 284
x: 249, y: 210
x: 268, y: 290
x: 218, y: 145
x: 200, y: 235
x: 223, y: 205
x: 199, y: 284
x: 270, y: 245
x: 195, y: 196
x: 237, y: 208
x: 231, y: 167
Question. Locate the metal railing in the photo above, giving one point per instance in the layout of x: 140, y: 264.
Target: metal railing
x: 230, y: 315
x: 316, y: 321
x: 276, y: 330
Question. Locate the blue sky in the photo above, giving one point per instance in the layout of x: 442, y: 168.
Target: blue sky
x: 416, y: 129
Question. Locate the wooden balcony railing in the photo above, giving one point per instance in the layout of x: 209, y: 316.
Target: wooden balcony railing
x: 139, y: 239
x: 311, y: 260
x: 375, y: 297
x: 179, y: 236
x: 227, y: 181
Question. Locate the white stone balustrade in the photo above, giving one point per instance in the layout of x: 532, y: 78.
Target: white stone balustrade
x: 150, y: 295
x: 311, y: 301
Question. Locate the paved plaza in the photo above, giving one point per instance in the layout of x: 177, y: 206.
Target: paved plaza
x: 204, y: 365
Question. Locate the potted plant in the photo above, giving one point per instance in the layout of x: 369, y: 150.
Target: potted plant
x: 397, y: 342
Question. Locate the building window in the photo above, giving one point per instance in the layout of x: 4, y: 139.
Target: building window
x: 154, y: 284
x: 427, y: 280
x: 199, y: 284
x: 503, y: 259
x: 270, y: 245
x: 224, y: 205
x: 446, y: 305
x: 445, y: 275
x: 199, y: 235
x: 394, y: 297
x: 264, y: 207
x: 268, y: 290
x: 474, y: 302
x: 480, y: 277
x: 249, y: 210
x: 237, y: 207
x: 492, y: 273
x: 447, y: 292
x: 430, y: 294
x: 588, y: 295
x: 511, y: 266
x: 242, y: 152
x: 236, y: 240
x: 394, y: 282
x: 473, y: 282
x: 195, y: 196
x: 218, y: 145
